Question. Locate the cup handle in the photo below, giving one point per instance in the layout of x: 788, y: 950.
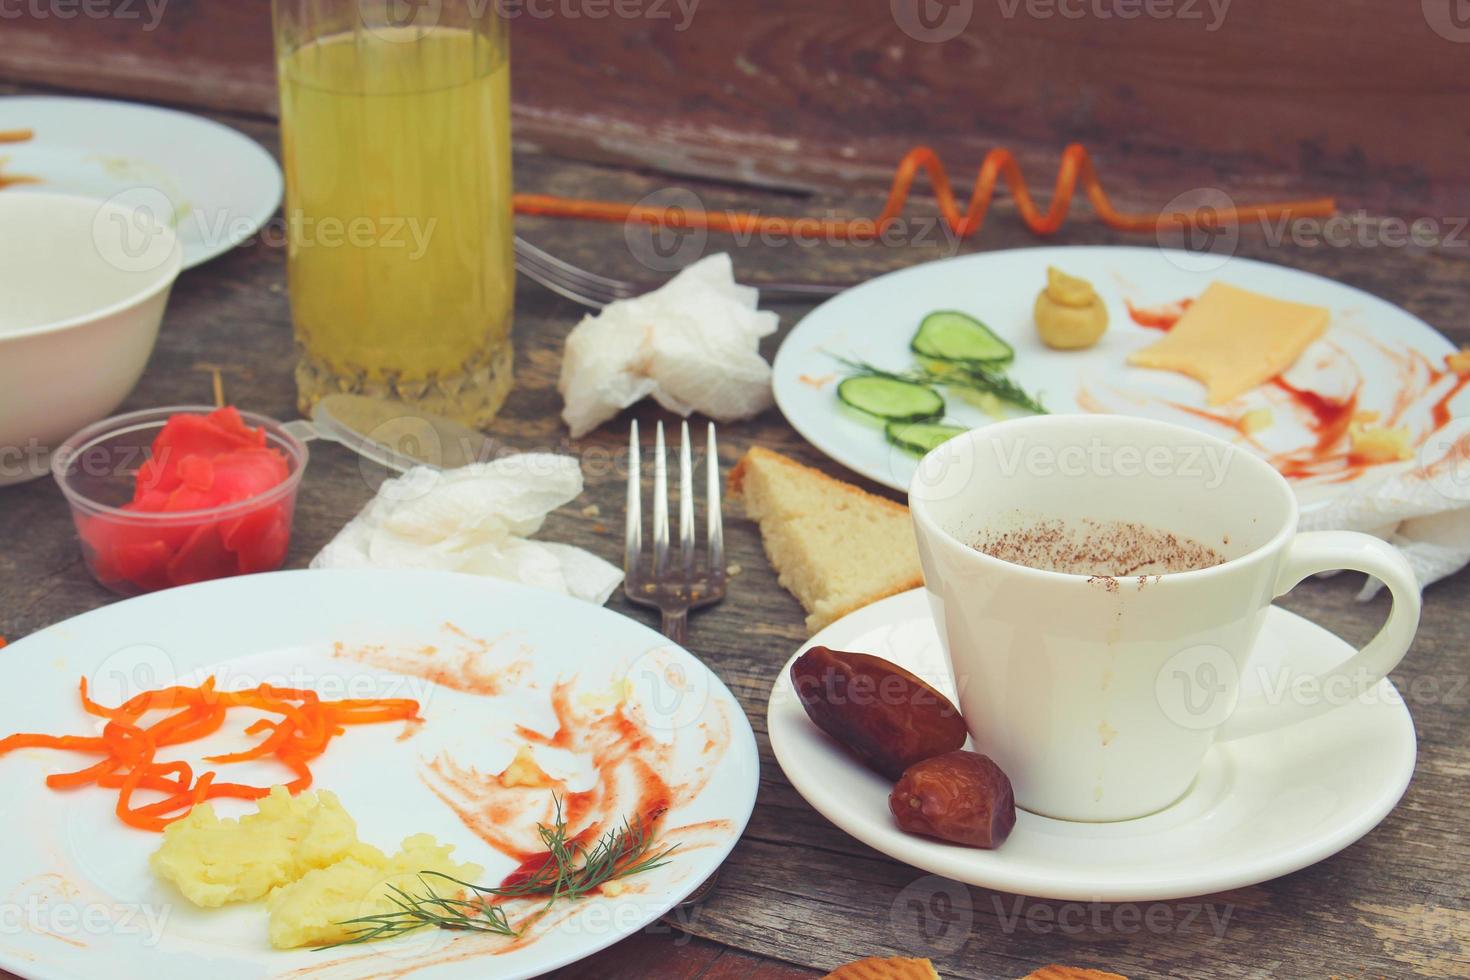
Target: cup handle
x: 1320, y: 551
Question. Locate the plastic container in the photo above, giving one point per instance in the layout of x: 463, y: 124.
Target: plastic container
x: 132, y: 552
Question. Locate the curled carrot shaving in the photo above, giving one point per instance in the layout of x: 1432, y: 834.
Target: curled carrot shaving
x: 1076, y: 169
x: 128, y: 748
x: 16, y: 135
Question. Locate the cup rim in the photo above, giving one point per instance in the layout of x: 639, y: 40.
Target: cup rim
x: 168, y: 272
x: 297, y: 452
x: 969, y: 442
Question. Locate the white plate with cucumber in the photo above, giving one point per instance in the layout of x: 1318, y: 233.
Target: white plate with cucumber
x: 878, y: 375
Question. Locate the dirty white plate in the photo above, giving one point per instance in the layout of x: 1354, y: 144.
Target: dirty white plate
x: 215, y: 185
x: 81, y: 901
x: 1261, y: 807
x: 1369, y: 341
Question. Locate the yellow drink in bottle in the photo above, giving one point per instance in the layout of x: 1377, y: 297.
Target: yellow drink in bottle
x: 398, y: 203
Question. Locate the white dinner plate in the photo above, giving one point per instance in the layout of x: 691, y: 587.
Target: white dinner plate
x: 1369, y: 340
x: 216, y: 186
x: 75, y: 881
x: 1260, y: 808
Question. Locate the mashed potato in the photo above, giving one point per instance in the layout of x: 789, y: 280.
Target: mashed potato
x: 303, y: 853
x: 308, y: 911
x: 215, y: 861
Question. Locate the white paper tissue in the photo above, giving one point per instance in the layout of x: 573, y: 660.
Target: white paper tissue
x: 476, y: 519
x: 693, y: 344
x: 1423, y: 510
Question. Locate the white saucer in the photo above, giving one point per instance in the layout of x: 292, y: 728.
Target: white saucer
x: 1262, y: 807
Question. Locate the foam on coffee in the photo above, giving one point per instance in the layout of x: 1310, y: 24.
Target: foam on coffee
x: 1115, y: 549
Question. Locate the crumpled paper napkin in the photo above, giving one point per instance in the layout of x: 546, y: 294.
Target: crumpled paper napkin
x: 476, y: 519
x: 693, y: 344
x: 1424, y: 511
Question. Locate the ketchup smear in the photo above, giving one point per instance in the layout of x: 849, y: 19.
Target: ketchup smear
x: 1158, y: 317
x: 197, y: 462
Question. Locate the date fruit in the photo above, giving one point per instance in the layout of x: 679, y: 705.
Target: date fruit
x: 962, y: 797
x: 886, y: 716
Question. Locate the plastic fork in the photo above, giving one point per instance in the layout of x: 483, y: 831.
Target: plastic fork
x: 674, y: 583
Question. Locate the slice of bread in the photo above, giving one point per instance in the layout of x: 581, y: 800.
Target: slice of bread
x: 881, y: 968
x: 835, y: 547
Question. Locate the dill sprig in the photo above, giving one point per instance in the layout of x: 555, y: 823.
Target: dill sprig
x: 970, y: 374
x: 571, y: 871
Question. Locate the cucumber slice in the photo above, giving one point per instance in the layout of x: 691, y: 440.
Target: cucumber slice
x: 891, y: 399
x: 949, y: 335
x: 920, y: 438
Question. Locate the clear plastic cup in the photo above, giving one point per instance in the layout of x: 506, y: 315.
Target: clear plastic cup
x: 132, y: 552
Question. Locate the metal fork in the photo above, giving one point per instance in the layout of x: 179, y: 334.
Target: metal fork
x: 674, y: 589
x: 590, y: 289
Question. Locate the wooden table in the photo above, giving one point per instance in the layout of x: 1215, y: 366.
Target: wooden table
x: 798, y: 897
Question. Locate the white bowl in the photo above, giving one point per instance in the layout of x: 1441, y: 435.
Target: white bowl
x: 83, y: 284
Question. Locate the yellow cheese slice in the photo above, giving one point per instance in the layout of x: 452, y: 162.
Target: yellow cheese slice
x: 1232, y: 339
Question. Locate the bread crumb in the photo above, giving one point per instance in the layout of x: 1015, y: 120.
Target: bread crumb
x: 733, y: 569
x: 592, y: 510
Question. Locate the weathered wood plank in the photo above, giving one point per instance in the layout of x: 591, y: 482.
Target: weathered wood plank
x: 1276, y: 95
x: 796, y: 889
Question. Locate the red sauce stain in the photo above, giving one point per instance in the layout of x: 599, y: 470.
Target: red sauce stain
x: 1162, y: 317
x: 1229, y: 422
x: 1329, y: 419
x: 466, y: 667
x: 1440, y: 413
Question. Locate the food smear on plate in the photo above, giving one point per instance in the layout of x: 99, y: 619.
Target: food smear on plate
x: 1069, y: 313
x: 594, y: 757
x: 14, y: 136
x: 129, y: 748
x: 1161, y: 317
x: 197, y: 463
x: 1233, y: 340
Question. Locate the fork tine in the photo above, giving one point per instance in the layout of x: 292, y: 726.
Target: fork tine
x: 660, y: 505
x: 574, y: 271
x: 686, y: 505
x: 587, y: 294
x: 633, y: 539
x: 715, y: 530
x: 567, y: 279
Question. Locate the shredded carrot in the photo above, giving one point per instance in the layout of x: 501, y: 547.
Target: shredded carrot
x: 128, y: 748
x: 1076, y: 168
x: 16, y: 135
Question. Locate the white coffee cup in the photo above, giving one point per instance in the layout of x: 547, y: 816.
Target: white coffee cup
x: 1099, y: 697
